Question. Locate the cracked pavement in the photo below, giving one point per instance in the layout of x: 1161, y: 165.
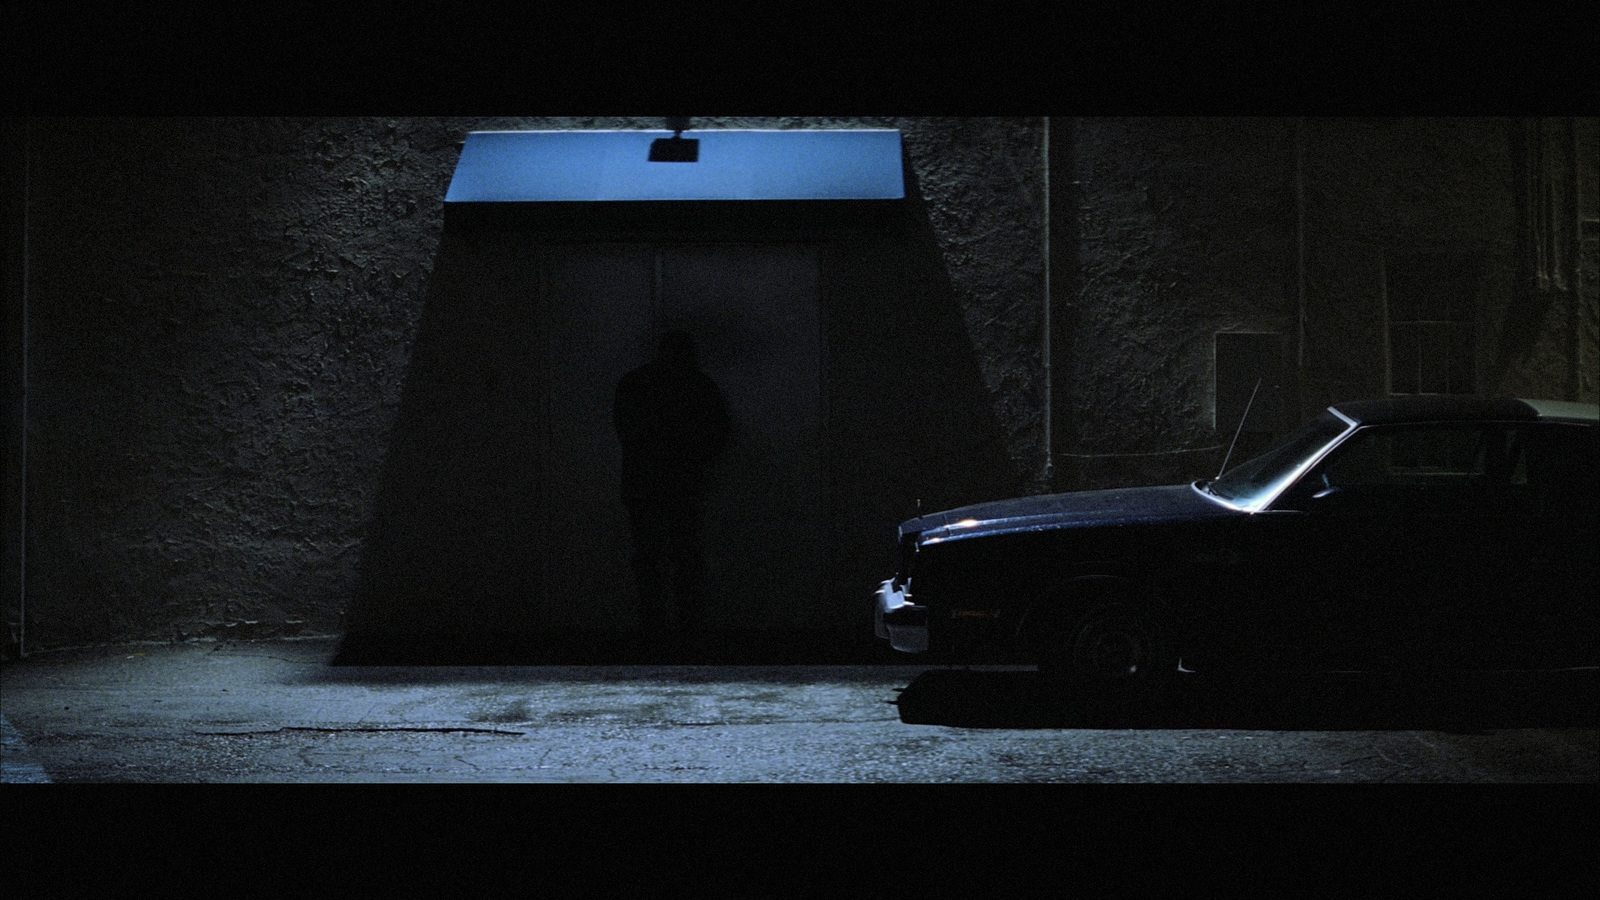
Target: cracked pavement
x: 278, y: 712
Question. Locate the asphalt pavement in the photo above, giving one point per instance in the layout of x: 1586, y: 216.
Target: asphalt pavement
x: 282, y: 711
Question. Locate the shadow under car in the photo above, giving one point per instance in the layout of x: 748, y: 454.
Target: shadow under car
x: 1451, y: 702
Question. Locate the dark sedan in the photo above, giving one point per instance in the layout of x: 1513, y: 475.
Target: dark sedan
x: 1396, y: 534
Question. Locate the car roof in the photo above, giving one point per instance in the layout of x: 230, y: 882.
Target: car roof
x: 1448, y: 408
x: 1566, y: 410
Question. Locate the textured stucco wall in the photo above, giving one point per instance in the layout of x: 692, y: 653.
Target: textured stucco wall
x: 221, y: 316
x: 1185, y: 229
x: 1546, y: 334
x: 1454, y: 185
x: 1398, y: 185
x: 1587, y: 362
x: 983, y: 183
x: 1189, y: 227
x: 222, y: 313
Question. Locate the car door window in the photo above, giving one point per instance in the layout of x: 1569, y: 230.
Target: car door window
x: 1421, y: 469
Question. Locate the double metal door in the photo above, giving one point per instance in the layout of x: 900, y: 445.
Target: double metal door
x: 754, y: 311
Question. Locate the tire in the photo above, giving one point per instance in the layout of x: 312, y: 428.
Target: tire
x: 1114, y: 661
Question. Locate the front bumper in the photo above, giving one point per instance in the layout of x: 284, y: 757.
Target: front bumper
x: 899, y: 621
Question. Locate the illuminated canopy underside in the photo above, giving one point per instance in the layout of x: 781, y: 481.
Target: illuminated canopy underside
x: 588, y: 166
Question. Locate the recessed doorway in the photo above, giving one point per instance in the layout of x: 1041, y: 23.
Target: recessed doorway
x: 755, y: 313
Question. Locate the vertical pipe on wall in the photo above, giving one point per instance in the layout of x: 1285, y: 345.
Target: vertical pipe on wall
x: 1539, y: 204
x: 1049, y: 444
x: 22, y: 418
x: 1575, y: 256
x: 1300, y: 246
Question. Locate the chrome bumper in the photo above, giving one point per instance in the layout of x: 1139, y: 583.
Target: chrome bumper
x: 899, y: 621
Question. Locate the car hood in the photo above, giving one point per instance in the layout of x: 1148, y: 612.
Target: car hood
x: 1121, y: 506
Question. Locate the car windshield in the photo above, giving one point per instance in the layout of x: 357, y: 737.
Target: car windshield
x: 1252, y: 483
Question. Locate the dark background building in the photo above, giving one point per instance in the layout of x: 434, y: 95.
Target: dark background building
x: 260, y: 381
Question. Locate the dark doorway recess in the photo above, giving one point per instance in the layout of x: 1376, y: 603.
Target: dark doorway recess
x: 499, y: 536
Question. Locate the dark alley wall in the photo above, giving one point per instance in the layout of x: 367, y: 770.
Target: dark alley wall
x: 220, y: 312
x: 224, y: 314
x: 1185, y: 228
x: 1290, y: 230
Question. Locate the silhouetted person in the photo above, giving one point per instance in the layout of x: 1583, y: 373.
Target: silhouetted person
x: 673, y: 424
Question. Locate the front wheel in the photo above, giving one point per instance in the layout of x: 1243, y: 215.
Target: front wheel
x: 1114, y: 661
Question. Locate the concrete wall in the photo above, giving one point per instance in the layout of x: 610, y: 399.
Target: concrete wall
x: 1375, y: 187
x: 1189, y: 227
x: 222, y: 314
x: 221, y: 317
x: 1184, y: 228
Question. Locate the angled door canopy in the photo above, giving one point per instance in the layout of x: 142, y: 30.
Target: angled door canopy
x: 591, y: 166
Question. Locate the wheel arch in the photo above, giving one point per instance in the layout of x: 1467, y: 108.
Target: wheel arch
x: 1075, y: 598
